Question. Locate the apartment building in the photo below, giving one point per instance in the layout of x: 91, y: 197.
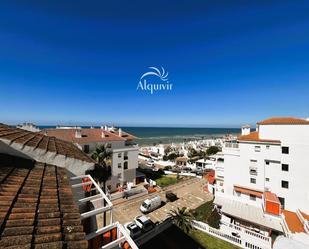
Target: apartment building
x: 264, y: 177
x: 124, y: 159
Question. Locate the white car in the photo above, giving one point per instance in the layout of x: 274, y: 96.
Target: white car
x: 144, y: 223
x: 134, y: 230
x: 149, y: 205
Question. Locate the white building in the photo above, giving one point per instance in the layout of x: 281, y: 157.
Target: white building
x: 29, y: 127
x: 210, y: 163
x: 264, y: 177
x: 124, y: 151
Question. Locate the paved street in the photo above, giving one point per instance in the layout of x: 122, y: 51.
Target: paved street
x: 190, y: 193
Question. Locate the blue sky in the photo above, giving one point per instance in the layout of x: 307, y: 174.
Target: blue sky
x: 230, y: 62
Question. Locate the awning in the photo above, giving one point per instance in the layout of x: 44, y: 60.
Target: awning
x: 244, y: 211
x: 248, y: 191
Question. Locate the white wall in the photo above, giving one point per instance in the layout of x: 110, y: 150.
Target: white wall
x: 237, y: 164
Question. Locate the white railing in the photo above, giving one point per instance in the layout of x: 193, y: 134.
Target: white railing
x: 87, y: 184
x: 235, y: 235
x: 247, y: 231
x: 303, y: 220
x: 286, y: 229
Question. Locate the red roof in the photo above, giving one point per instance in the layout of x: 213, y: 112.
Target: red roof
x: 293, y: 222
x: 284, y: 120
x: 248, y: 191
x: 306, y: 216
x: 211, y: 177
x: 88, y: 135
x: 37, y: 207
x: 45, y: 143
x: 254, y: 136
x: 269, y: 196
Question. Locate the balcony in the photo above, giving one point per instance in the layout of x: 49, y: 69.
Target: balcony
x: 231, y: 145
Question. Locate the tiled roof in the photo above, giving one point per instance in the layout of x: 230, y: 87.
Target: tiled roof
x: 248, y: 191
x: 211, y: 177
x: 306, y: 216
x: 87, y: 135
x: 181, y: 159
x: 40, y: 141
x: 254, y: 136
x: 269, y: 196
x: 284, y: 120
x: 37, y: 209
x: 293, y: 222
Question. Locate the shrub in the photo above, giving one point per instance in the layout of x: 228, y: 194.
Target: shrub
x: 214, y: 219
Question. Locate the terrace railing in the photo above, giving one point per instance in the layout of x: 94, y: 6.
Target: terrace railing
x: 236, y: 236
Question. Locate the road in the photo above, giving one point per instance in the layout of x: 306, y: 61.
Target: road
x: 190, y: 193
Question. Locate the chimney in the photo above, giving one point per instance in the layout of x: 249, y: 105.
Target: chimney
x: 102, y: 134
x: 120, y: 132
x: 78, y: 133
x: 105, y: 127
x: 245, y: 130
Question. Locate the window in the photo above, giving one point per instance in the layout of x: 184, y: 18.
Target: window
x: 285, y: 167
x: 267, y: 179
x: 252, y: 197
x: 257, y: 148
x: 86, y: 148
x: 284, y: 184
x: 267, y: 162
x: 109, y: 145
x: 119, y: 155
x: 253, y: 171
x: 125, y: 165
x: 282, y: 201
x: 125, y: 157
x: 119, y: 165
x: 253, y: 180
x: 267, y: 147
x: 285, y: 150
x: 119, y: 176
x: 238, y: 193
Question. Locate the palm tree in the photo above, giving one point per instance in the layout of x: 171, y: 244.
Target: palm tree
x: 101, y: 172
x: 101, y: 154
x: 182, y: 218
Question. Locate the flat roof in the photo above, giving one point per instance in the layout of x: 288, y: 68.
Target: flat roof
x: 245, y: 211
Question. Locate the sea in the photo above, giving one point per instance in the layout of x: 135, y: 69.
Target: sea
x: 167, y: 135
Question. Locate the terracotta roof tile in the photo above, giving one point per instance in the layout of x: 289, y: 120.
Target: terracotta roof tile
x: 293, y: 222
x: 32, y: 212
x: 40, y: 141
x: 284, y: 120
x: 254, y: 136
x: 88, y: 135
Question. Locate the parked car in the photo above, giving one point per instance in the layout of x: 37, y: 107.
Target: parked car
x: 133, y: 229
x: 144, y: 223
x: 149, y: 205
x: 170, y: 196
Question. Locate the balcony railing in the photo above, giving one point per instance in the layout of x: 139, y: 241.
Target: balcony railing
x: 232, y: 145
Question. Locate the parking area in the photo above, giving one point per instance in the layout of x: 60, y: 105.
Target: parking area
x: 190, y: 193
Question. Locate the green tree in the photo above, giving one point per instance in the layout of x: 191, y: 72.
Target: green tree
x: 212, y: 150
x: 172, y: 156
x: 101, y: 172
x: 102, y: 155
x: 214, y: 219
x: 182, y: 218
